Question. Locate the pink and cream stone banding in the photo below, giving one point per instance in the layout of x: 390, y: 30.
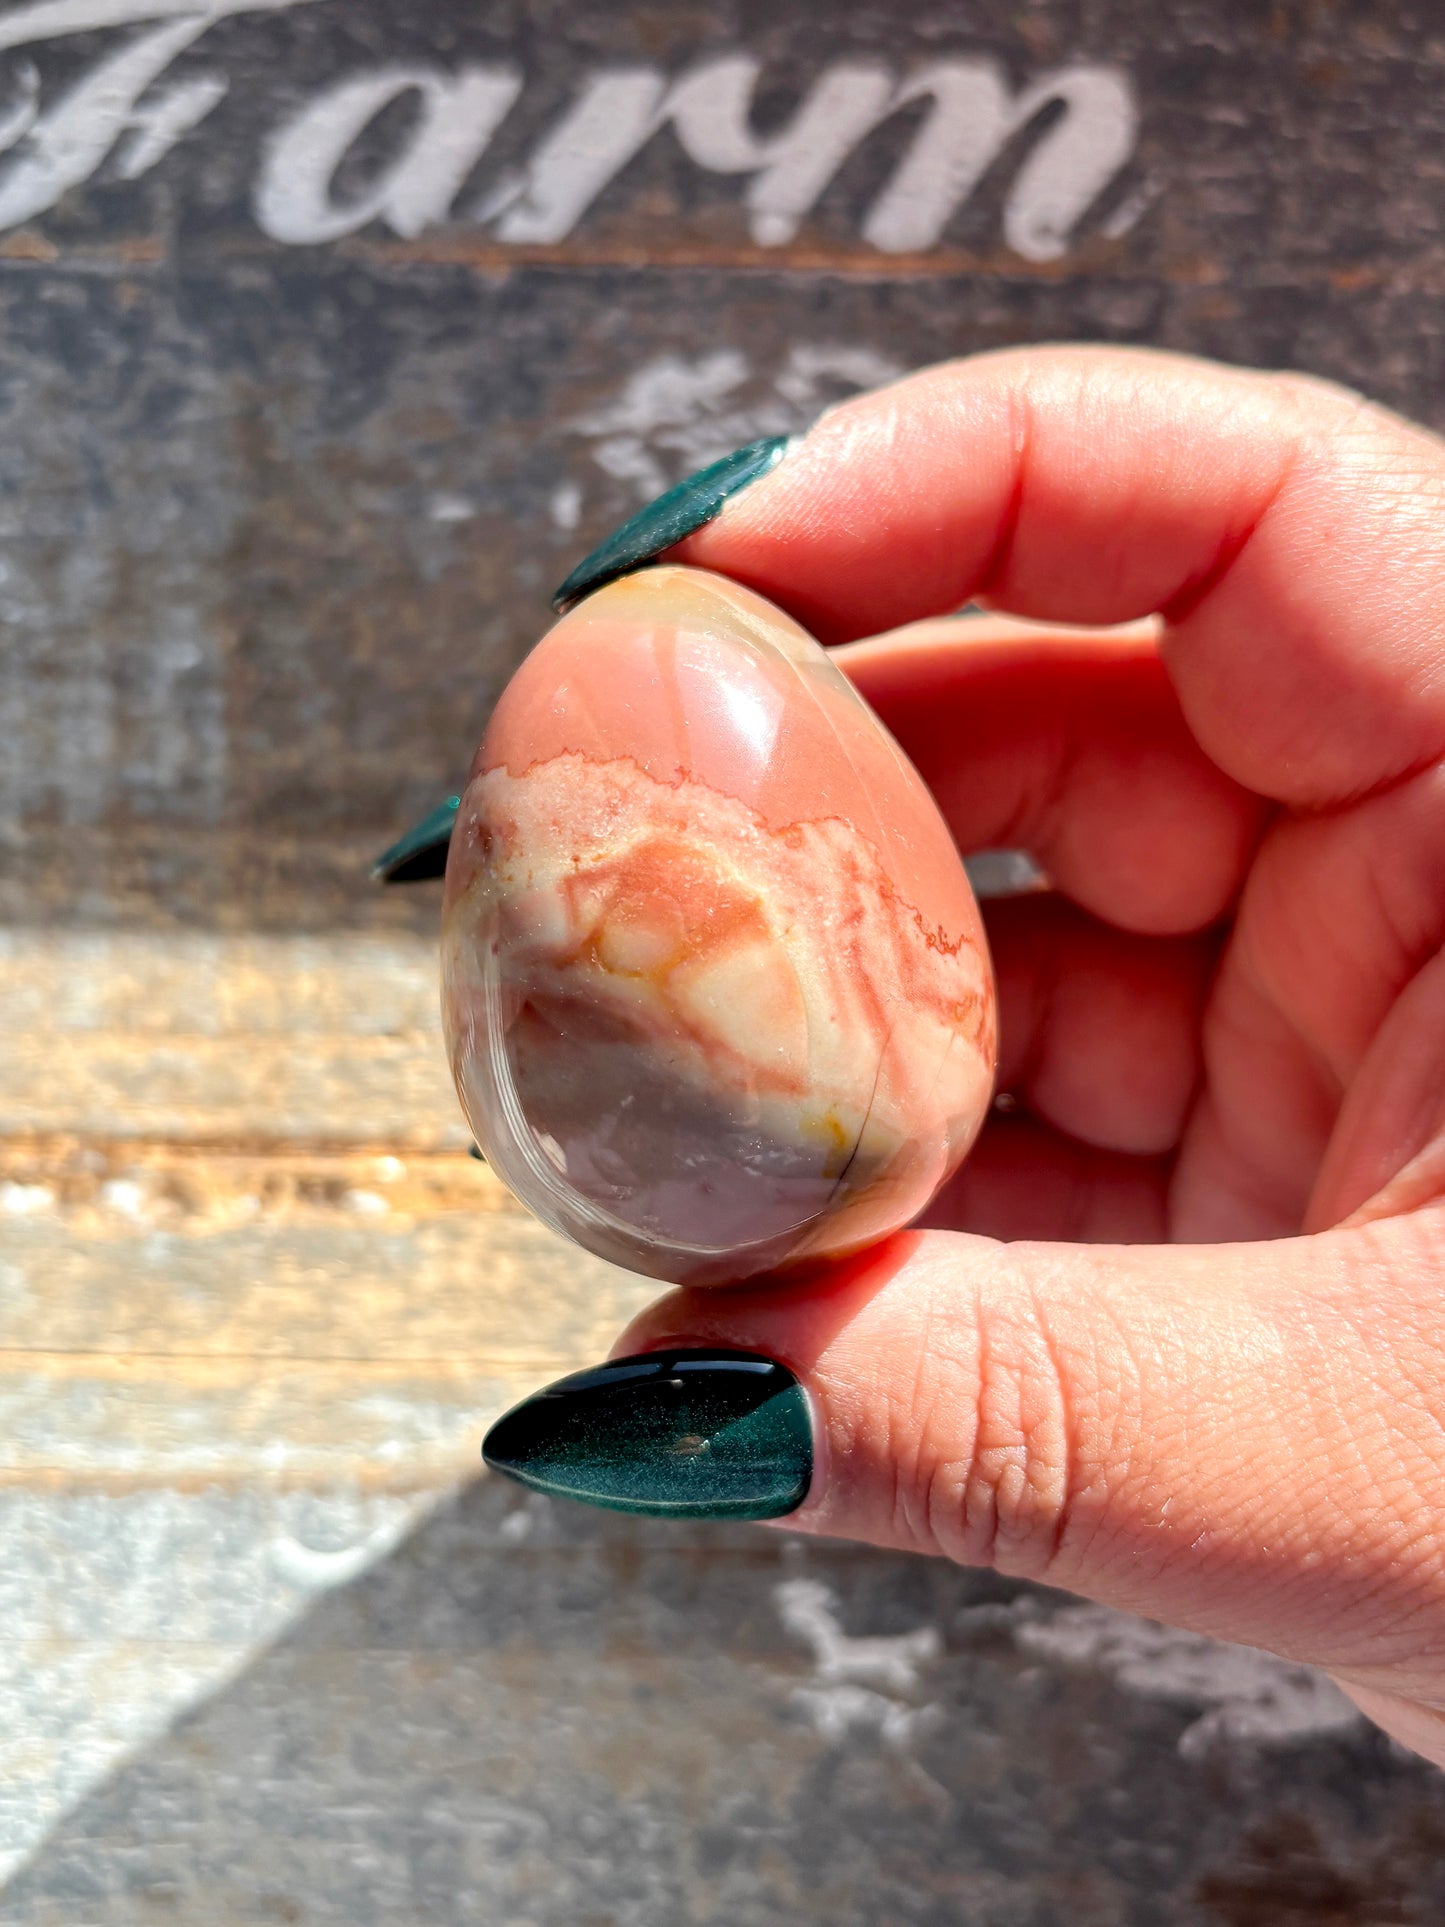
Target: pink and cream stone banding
x: 714, y: 983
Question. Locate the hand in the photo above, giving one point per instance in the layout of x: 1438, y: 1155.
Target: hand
x: 1178, y: 1341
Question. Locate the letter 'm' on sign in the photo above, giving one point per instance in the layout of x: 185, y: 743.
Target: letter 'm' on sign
x: 974, y: 116
x: 459, y: 114
x: 711, y: 110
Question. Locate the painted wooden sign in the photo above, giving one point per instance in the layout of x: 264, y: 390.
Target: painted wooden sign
x: 128, y: 110
x: 332, y: 333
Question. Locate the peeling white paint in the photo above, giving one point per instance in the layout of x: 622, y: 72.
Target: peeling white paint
x: 861, y: 1682
x: 837, y: 1711
x: 366, y: 1204
x: 1241, y: 1697
x: 451, y: 508
x: 890, y: 1662
x: 1248, y: 1697
x: 674, y: 413
x: 319, y: 1569
x: 126, y: 1198
x: 566, y: 506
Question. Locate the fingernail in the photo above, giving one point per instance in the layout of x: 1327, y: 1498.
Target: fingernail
x: 1004, y: 873
x: 422, y: 852
x: 679, y: 1435
x: 654, y: 529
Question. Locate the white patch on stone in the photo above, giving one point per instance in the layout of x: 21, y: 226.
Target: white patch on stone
x: 522, y: 1522
x: 515, y: 1528
x: 837, y: 1711
x: 1131, y: 210
x: 890, y: 1662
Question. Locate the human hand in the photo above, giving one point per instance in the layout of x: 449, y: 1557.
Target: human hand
x: 1177, y: 1339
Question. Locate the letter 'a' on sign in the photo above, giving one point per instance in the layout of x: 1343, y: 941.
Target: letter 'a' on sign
x: 460, y: 113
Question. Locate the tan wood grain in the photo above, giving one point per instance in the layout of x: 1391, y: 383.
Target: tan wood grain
x: 234, y: 1246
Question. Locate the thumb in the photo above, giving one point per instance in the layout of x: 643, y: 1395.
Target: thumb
x: 1244, y: 1440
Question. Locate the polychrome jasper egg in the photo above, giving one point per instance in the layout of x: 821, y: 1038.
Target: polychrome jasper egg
x: 715, y: 987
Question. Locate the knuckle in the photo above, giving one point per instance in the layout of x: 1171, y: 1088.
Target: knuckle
x: 1018, y: 1493
x: 1317, y: 395
x: 924, y: 1437
x: 1024, y: 1479
x: 1006, y: 1439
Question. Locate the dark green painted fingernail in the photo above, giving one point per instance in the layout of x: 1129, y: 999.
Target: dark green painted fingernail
x: 654, y: 529
x: 682, y: 1435
x: 422, y: 852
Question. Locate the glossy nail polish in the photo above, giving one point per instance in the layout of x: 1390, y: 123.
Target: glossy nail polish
x: 422, y: 852
x: 683, y: 509
x: 679, y: 1435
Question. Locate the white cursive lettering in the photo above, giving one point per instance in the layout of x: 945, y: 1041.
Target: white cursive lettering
x: 973, y: 117
x: 1065, y: 162
x: 614, y: 117
x: 460, y: 113
x: 64, y: 146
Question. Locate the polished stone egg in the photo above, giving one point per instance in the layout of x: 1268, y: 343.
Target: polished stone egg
x: 715, y: 986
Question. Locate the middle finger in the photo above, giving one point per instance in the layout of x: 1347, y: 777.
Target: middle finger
x: 1069, y: 744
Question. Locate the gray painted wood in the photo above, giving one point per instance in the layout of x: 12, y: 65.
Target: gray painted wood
x: 276, y: 519
x: 529, y: 1714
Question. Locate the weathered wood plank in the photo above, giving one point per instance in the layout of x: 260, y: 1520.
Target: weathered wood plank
x: 246, y: 1040
x: 201, y: 1282
x: 345, y: 1286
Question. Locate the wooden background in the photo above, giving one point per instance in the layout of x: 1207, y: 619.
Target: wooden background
x: 309, y: 391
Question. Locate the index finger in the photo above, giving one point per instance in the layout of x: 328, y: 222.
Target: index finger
x: 1288, y: 532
